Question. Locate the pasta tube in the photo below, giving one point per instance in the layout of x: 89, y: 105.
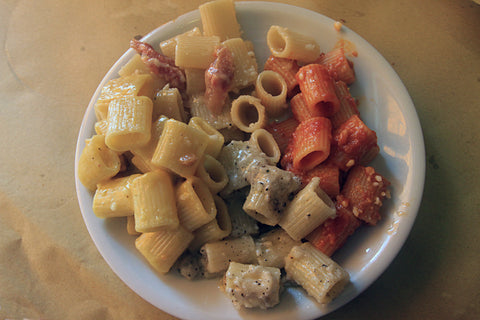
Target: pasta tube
x: 332, y: 234
x: 269, y: 193
x: 168, y: 46
x: 97, y: 162
x: 128, y: 86
x: 339, y: 67
x: 129, y: 123
x: 320, y: 276
x: 180, y: 148
x: 213, y: 174
x: 195, y: 52
x: 218, y: 255
x: 353, y: 143
x: 318, y: 90
x: 248, y: 114
x: 154, y: 202
x: 285, y: 43
x: 287, y: 68
x: 162, y: 248
x: 271, y: 89
x: 245, y: 65
x: 348, y: 105
x: 195, y: 204
x: 273, y: 247
x: 252, y: 286
x: 311, y: 143
x: 219, y: 19
x: 168, y: 103
x: 215, y: 138
x: 264, y: 141
x: 113, y: 198
x: 309, y: 209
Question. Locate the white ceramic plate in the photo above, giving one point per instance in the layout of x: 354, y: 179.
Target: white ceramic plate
x: 385, y: 106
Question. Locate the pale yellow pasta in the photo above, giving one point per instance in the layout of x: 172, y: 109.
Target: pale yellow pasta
x: 180, y: 148
x: 195, y: 203
x: 252, y: 286
x: 142, y: 156
x: 273, y: 247
x: 215, y: 230
x: 168, y: 102
x: 215, y: 138
x: 168, y: 46
x: 271, y: 89
x: 245, y: 64
x: 285, y: 43
x: 131, y: 85
x: 154, y: 202
x: 308, y: 209
x: 248, y: 114
x: 101, y: 127
x: 218, y: 255
x: 113, y: 198
x: 131, y: 226
x: 134, y: 65
x: 195, y: 79
x: 212, y: 173
x: 97, y: 162
x: 198, y: 108
x: 162, y: 248
x: 129, y: 123
x: 195, y: 52
x: 219, y: 19
x: 320, y: 276
x: 265, y: 142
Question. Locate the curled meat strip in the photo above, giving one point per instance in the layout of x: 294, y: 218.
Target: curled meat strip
x: 160, y: 64
x: 219, y: 79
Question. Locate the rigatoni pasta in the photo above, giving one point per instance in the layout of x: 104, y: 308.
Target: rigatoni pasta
x: 309, y: 209
x: 219, y: 19
x: 286, y: 43
x: 113, y: 198
x: 154, y: 202
x: 248, y: 113
x: 272, y: 91
x: 182, y: 157
x: 195, y: 203
x: 129, y: 123
x: 195, y: 51
x: 219, y: 254
x: 97, y: 162
x: 162, y: 248
x: 320, y: 276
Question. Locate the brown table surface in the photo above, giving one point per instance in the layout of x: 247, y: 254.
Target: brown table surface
x: 54, y: 54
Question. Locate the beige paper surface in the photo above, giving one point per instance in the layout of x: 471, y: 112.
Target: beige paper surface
x: 54, y: 54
